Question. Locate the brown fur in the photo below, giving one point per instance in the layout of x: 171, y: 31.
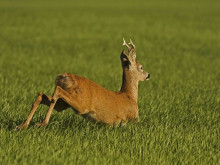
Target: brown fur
x: 92, y: 100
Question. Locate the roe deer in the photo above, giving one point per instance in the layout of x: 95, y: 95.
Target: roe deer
x: 92, y: 100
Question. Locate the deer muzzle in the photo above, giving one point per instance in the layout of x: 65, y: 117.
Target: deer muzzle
x: 148, y: 76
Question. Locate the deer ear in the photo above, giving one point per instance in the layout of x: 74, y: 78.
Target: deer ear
x: 124, y: 56
x: 124, y: 59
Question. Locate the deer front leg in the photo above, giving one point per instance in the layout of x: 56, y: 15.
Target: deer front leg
x: 41, y: 99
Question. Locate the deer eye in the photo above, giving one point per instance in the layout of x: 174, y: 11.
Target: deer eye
x: 141, y: 68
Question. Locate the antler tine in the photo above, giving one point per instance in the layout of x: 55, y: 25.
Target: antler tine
x: 131, y: 43
x: 125, y: 44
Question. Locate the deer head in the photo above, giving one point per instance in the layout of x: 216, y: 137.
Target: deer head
x: 131, y: 65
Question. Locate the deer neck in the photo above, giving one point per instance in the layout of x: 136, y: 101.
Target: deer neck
x: 129, y: 85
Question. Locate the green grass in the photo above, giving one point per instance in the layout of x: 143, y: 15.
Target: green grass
x: 177, y: 42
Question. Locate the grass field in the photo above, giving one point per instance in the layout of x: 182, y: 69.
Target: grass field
x: 177, y: 42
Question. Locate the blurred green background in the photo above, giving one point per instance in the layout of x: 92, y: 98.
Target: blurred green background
x: 177, y: 42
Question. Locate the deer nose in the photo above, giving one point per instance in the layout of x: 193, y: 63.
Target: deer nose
x: 148, y: 76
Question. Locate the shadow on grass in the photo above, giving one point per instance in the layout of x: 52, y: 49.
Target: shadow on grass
x: 56, y: 124
x: 65, y: 121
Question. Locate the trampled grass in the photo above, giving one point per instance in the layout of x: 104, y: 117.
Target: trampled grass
x: 177, y: 42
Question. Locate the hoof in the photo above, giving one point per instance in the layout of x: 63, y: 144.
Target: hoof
x: 20, y: 127
x: 39, y: 125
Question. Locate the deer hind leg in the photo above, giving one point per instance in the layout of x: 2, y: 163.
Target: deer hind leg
x: 61, y: 94
x: 41, y: 99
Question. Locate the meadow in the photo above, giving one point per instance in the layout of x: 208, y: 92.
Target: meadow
x: 177, y: 42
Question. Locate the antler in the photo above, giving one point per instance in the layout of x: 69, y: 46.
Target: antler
x: 125, y: 44
x: 131, y: 43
